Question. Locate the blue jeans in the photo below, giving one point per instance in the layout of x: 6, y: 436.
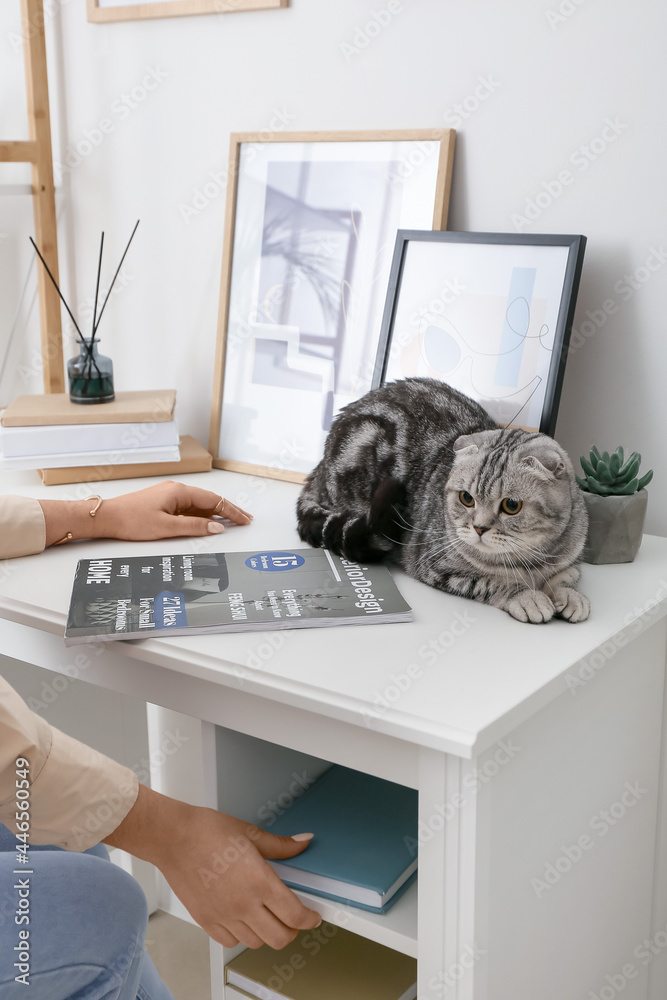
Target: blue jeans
x: 87, y: 924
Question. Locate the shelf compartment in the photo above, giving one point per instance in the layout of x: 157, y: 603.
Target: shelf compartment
x: 395, y: 929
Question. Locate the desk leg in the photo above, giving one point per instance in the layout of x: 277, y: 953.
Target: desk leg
x: 654, y: 949
x: 566, y: 835
x: 449, y: 857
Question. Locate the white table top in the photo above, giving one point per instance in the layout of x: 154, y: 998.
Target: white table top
x: 491, y: 677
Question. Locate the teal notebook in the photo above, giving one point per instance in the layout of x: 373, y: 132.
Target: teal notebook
x: 365, y: 831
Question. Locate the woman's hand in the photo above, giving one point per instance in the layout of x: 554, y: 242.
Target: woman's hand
x: 165, y: 510
x: 215, y: 865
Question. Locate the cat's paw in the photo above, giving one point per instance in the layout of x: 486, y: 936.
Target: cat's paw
x: 349, y: 534
x: 332, y: 532
x: 310, y: 525
x: 571, y: 604
x: 531, y: 606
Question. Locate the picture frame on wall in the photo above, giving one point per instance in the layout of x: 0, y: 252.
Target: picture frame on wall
x: 488, y: 313
x: 310, y: 227
x: 105, y: 11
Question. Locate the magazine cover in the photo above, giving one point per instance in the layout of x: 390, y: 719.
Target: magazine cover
x: 227, y: 592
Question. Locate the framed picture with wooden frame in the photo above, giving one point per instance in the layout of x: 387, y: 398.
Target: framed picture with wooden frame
x: 104, y: 11
x: 310, y: 226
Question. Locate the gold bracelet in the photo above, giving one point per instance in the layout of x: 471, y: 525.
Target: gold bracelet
x: 97, y: 506
x: 69, y: 536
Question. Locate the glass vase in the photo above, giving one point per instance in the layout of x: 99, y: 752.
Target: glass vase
x: 90, y: 376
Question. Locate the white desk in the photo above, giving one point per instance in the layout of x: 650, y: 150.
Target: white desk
x: 536, y: 751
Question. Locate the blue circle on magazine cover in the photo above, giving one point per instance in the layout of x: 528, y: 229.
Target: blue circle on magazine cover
x: 274, y: 562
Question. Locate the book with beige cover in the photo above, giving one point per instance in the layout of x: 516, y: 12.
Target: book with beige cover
x: 143, y: 406
x: 328, y: 963
x: 194, y: 458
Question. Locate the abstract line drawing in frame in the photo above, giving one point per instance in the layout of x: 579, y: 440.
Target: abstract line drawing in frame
x: 488, y: 313
x: 105, y: 11
x: 310, y: 226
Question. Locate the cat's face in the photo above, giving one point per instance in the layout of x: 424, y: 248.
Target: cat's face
x: 509, y: 496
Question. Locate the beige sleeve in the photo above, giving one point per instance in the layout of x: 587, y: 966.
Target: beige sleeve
x: 22, y: 527
x: 77, y: 795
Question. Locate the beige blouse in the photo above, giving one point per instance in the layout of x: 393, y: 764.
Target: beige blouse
x: 77, y: 795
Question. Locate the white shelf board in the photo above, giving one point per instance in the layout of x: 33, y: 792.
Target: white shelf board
x: 396, y: 929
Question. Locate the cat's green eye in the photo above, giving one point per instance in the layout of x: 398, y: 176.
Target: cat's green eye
x: 466, y: 499
x: 510, y: 506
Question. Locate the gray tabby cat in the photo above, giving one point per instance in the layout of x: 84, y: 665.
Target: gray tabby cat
x: 418, y: 468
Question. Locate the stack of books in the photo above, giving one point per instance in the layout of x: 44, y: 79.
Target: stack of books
x: 364, y: 852
x: 328, y: 963
x: 135, y: 435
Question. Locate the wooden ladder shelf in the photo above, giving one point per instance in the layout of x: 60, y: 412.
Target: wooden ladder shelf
x: 37, y: 152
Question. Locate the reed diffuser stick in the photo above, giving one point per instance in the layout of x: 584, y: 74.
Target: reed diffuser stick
x: 97, y: 323
x: 97, y: 286
x: 91, y: 359
x: 62, y: 298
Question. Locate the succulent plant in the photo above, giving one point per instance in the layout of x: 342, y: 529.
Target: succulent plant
x: 612, y: 475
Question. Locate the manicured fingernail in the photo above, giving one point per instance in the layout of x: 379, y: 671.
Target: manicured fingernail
x: 303, y: 836
x: 214, y: 528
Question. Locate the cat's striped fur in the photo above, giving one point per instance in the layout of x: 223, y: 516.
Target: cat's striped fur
x: 420, y: 470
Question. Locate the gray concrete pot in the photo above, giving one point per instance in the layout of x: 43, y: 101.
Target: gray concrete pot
x: 615, y: 527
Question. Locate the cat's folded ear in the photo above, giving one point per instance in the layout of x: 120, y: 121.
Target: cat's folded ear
x: 469, y: 444
x: 546, y: 458
x: 465, y: 445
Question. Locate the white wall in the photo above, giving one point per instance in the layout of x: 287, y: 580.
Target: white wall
x: 553, y: 81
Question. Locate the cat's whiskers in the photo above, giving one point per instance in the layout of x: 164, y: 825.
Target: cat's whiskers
x: 410, y: 527
x: 409, y: 541
x: 491, y: 544
x: 504, y: 551
x: 430, y: 558
x: 434, y: 539
x: 395, y: 541
x: 446, y: 544
x: 505, y: 567
x: 533, y: 551
x: 518, y: 581
x: 539, y: 549
x: 530, y: 569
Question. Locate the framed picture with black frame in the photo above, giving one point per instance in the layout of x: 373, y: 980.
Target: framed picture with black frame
x: 488, y: 313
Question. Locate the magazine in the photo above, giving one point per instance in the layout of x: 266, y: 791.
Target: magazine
x: 140, y: 596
